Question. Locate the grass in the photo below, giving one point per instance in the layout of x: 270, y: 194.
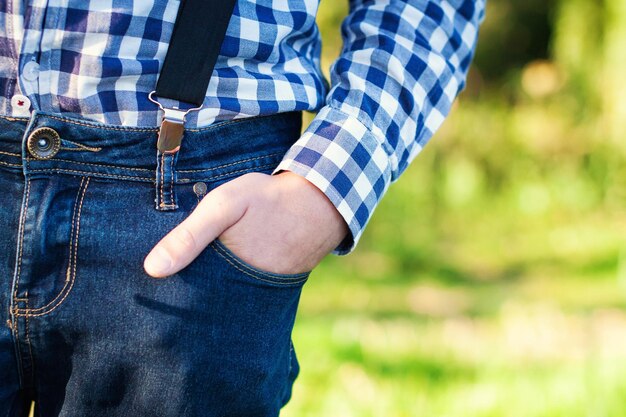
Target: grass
x: 520, y: 337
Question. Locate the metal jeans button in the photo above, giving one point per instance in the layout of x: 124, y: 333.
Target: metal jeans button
x: 44, y: 143
x: 200, y: 189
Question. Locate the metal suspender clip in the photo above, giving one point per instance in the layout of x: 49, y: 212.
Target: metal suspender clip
x: 172, y: 126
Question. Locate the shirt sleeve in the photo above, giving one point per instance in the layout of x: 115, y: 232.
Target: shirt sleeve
x: 402, y: 64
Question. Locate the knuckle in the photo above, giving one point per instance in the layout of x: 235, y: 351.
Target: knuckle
x: 222, y: 196
x: 230, y: 199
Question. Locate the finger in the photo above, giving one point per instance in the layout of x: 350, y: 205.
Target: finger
x: 217, y: 211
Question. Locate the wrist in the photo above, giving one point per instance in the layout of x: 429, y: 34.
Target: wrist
x: 328, y: 216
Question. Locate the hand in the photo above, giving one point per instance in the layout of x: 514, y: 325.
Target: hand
x: 280, y: 223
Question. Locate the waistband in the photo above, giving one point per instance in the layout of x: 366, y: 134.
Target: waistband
x: 129, y: 153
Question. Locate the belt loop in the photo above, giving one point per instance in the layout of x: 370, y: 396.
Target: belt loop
x: 171, y: 134
x: 166, y: 178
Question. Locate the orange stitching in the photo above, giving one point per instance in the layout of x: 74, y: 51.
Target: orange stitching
x: 231, y: 255
x: 257, y: 277
x: 100, y: 165
x: 286, y: 280
x: 21, y: 251
x: 231, y: 164
x: 73, y: 262
x: 72, y: 235
x: 67, y: 278
x: 94, y: 174
x: 161, y: 177
x: 9, y: 164
x: 11, y: 153
x: 172, y: 180
x: 80, y: 145
x: 236, y: 172
x: 147, y: 179
x: 181, y: 170
x: 65, y: 148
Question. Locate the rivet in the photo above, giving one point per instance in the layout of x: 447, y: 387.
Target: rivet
x: 200, y: 189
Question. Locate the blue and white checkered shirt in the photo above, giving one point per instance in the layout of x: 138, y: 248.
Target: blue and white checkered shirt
x: 402, y: 64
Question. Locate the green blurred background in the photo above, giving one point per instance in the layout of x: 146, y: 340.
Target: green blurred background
x: 492, y: 278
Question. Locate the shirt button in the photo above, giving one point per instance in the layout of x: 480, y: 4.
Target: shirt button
x: 30, y: 72
x: 20, y: 105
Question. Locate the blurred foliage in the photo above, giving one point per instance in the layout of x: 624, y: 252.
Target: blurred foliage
x: 491, y: 280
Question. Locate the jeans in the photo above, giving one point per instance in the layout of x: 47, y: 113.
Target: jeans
x: 85, y: 331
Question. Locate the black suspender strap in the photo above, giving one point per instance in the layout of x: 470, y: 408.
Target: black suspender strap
x: 191, y: 56
x: 196, y: 41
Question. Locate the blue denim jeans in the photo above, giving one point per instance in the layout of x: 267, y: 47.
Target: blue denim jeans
x: 85, y: 331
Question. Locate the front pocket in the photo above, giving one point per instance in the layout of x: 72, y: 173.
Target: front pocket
x: 251, y: 271
x: 52, y: 212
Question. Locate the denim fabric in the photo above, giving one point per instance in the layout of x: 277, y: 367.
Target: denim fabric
x: 85, y: 331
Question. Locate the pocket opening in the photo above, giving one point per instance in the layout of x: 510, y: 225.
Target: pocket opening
x: 259, y: 274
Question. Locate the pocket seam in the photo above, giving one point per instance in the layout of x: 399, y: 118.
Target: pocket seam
x: 260, y: 275
x: 72, y: 259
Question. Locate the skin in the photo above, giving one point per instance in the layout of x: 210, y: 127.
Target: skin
x: 278, y: 223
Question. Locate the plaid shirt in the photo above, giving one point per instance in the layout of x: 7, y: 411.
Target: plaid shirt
x: 402, y: 64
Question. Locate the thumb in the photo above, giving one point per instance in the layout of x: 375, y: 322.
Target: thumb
x: 216, y: 212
